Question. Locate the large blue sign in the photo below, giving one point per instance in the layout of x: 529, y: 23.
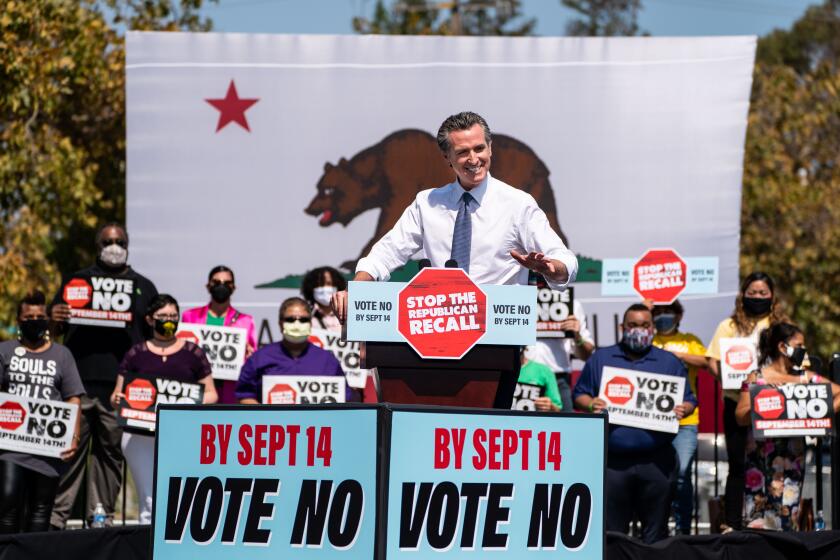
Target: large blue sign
x: 278, y: 482
x: 475, y: 483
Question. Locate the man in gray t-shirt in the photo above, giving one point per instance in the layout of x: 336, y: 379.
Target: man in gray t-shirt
x: 48, y: 375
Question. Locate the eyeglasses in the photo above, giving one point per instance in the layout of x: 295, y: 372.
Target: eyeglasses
x: 297, y: 319
x: 119, y: 241
x: 165, y: 317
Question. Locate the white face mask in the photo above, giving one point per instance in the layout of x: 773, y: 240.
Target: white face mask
x: 323, y: 294
x: 114, y: 255
x: 296, y: 332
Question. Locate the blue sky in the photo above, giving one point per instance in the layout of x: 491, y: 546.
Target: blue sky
x: 659, y: 17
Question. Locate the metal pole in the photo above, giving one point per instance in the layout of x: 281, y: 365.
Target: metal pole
x: 124, y: 481
x: 696, y: 511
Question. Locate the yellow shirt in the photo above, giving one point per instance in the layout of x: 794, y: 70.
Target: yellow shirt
x: 727, y: 329
x: 686, y: 343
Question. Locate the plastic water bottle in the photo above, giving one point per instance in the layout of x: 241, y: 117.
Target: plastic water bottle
x: 99, y: 516
x: 819, y: 522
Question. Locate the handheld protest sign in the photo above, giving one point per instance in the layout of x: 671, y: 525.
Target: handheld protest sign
x: 303, y: 389
x: 143, y: 393
x: 100, y: 300
x: 792, y: 410
x: 738, y: 357
x: 36, y: 426
x: 347, y: 352
x: 266, y: 482
x: 553, y: 307
x: 524, y: 396
x: 223, y: 346
x: 642, y: 400
x: 467, y: 483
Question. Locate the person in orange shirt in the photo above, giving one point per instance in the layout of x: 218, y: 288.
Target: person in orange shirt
x: 688, y: 348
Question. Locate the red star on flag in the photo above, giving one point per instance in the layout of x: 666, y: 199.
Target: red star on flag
x: 232, y: 108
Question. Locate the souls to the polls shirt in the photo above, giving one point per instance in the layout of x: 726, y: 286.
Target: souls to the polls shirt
x: 504, y: 219
x: 99, y: 350
x: 49, y: 375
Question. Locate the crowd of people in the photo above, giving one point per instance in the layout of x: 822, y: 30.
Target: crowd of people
x: 648, y: 472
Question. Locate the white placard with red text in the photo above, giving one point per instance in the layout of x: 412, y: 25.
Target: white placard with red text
x: 642, y: 400
x: 303, y: 389
x: 223, y: 346
x: 36, y: 426
x: 738, y: 358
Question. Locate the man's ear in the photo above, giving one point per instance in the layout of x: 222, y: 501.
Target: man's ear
x: 446, y: 157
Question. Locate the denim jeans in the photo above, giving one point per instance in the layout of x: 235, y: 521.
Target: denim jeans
x: 685, y: 444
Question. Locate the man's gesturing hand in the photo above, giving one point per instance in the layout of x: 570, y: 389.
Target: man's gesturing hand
x: 550, y: 268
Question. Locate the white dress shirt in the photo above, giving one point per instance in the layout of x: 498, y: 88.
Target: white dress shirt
x: 505, y: 218
x: 557, y: 353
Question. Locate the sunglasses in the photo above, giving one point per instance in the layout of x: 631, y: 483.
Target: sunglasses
x: 165, y: 317
x: 228, y: 283
x: 121, y: 242
x: 297, y: 319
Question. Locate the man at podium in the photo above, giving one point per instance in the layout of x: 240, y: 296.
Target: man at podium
x: 492, y: 230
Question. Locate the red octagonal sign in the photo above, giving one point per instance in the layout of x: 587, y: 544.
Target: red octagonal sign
x: 769, y: 403
x: 282, y: 393
x: 619, y: 390
x: 442, y: 313
x: 12, y: 415
x: 660, y: 275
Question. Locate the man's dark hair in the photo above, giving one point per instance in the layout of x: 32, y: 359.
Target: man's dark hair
x: 103, y: 227
x: 33, y: 297
x: 674, y: 307
x: 221, y: 268
x: 160, y: 301
x: 461, y: 121
x: 636, y: 307
x: 289, y: 302
x: 314, y: 278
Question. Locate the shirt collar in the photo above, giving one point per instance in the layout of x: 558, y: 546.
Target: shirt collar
x: 618, y: 352
x: 477, y: 192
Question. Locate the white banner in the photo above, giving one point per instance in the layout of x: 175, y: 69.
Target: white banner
x: 303, y: 389
x: 322, y: 141
x: 223, y: 346
x: 738, y: 358
x: 642, y: 400
x: 37, y: 426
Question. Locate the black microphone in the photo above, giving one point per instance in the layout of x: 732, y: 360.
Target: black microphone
x: 424, y: 263
x: 451, y: 263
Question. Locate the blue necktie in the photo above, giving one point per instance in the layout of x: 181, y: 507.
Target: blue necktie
x: 462, y: 235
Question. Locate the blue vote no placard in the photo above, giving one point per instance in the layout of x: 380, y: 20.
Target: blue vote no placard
x: 377, y: 481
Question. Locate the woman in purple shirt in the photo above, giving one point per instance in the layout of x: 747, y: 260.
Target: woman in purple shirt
x: 294, y: 355
x: 165, y: 356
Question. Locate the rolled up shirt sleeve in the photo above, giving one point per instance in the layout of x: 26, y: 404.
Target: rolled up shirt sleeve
x: 537, y: 235
x: 396, y: 246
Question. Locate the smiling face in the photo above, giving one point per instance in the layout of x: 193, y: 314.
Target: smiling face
x: 469, y: 155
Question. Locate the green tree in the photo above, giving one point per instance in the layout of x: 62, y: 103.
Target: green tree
x: 790, y: 223
x: 62, y: 130
x: 603, y: 18
x: 464, y: 17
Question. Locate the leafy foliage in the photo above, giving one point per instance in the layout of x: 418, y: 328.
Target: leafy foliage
x: 62, y: 130
x: 603, y: 18
x: 465, y: 17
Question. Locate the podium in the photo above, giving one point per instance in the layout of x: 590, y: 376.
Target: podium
x: 440, y: 339
x: 484, y: 378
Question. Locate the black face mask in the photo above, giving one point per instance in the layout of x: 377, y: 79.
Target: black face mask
x: 33, y: 330
x: 757, y: 307
x: 220, y: 293
x: 796, y: 356
x: 166, y: 327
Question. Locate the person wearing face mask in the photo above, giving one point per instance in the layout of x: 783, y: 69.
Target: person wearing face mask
x: 317, y: 288
x: 688, y: 348
x: 98, y: 347
x: 163, y: 355
x: 294, y: 355
x: 756, y: 308
x: 776, y: 467
x: 220, y: 312
x: 34, y: 366
x: 641, y: 464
